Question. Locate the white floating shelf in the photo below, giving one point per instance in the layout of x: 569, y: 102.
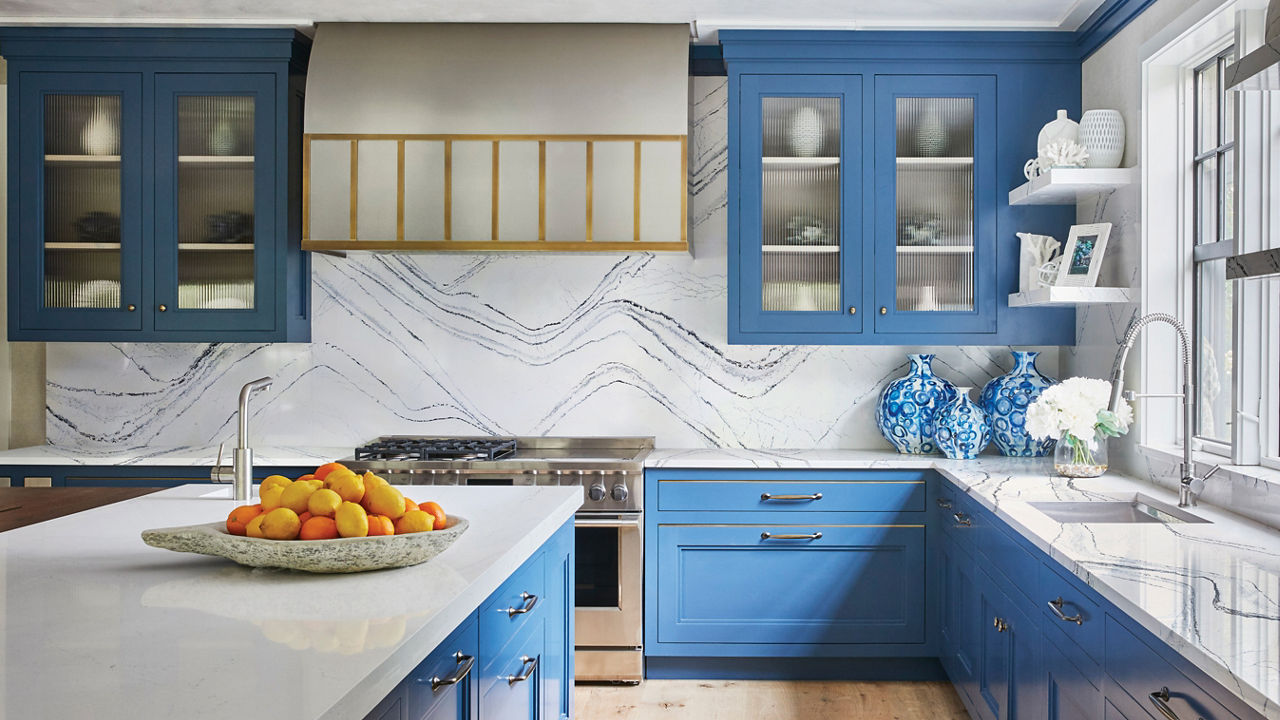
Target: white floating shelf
x: 216, y: 159
x: 935, y: 249
x: 808, y: 249
x: 798, y: 161
x: 925, y: 163
x: 217, y: 247
x: 81, y: 159
x: 1064, y: 186
x: 1070, y: 296
x: 81, y: 246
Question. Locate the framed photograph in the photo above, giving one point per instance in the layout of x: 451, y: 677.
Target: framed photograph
x: 1082, y: 256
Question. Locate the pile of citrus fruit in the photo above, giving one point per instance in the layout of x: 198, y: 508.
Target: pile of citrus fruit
x: 329, y: 503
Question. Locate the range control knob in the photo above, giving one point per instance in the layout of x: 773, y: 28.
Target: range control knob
x: 620, y: 492
x: 596, y: 492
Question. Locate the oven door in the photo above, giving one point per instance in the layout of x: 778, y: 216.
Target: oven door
x: 608, y: 589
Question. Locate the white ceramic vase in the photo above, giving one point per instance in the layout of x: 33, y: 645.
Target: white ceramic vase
x: 100, y: 135
x: 805, y: 133
x: 931, y: 135
x: 222, y: 141
x: 1102, y: 134
x: 1062, y: 129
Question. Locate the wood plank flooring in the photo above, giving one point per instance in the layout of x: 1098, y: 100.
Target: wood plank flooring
x: 769, y: 700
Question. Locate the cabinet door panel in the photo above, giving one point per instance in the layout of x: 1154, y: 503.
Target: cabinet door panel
x: 1010, y: 669
x: 443, y: 687
x: 509, y: 688
x: 799, y: 246
x: 851, y: 585
x: 935, y: 262
x: 958, y: 615
x: 79, y: 223
x: 215, y: 188
x: 1071, y: 695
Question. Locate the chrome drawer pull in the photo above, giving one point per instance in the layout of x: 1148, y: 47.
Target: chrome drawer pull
x: 465, y: 662
x: 771, y: 496
x: 1160, y: 699
x: 962, y: 519
x: 1056, y: 607
x: 943, y: 503
x: 529, y: 602
x: 771, y: 536
x: 531, y: 663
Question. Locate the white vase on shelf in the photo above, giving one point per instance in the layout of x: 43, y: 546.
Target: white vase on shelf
x: 1102, y: 134
x: 100, y: 135
x: 931, y: 135
x: 805, y: 133
x: 1062, y: 129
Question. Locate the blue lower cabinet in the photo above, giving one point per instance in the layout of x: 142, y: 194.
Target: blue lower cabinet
x: 958, y: 620
x: 444, y: 687
x: 510, y: 680
x: 1071, y: 695
x: 1125, y: 709
x: 392, y: 707
x: 157, y: 476
x: 1009, y: 674
x: 764, y: 589
x: 1136, y: 671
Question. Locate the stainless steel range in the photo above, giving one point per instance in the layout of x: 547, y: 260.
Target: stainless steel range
x: 608, y: 597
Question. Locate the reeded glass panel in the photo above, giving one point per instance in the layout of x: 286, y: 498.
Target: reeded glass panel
x: 801, y: 198
x: 935, y: 204
x: 1213, y: 340
x: 82, y: 201
x: 215, y: 202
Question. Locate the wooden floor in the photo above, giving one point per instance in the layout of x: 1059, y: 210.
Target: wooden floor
x: 761, y: 700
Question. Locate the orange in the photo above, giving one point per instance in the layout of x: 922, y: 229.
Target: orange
x: 241, y: 517
x: 381, y: 525
x: 281, y: 524
x: 414, y: 521
x: 352, y: 520
x: 327, y: 468
x: 410, y: 505
x: 304, y: 516
x: 254, y: 528
x: 308, y: 476
x: 324, y: 502
x: 271, y: 497
x: 433, y: 509
x: 318, y: 528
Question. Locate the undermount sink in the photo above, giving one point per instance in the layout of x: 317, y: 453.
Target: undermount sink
x: 1139, y: 509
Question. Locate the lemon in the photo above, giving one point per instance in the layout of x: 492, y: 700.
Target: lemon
x: 347, y: 484
x: 414, y: 521
x: 385, y: 500
x: 272, y: 481
x: 271, y: 497
x: 352, y: 520
x: 281, y: 524
x: 324, y: 503
x: 254, y: 527
x: 371, y: 481
x: 295, y: 496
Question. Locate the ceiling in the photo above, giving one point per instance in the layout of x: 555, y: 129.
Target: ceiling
x: 706, y: 16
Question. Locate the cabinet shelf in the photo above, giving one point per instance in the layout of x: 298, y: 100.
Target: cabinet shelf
x: 935, y: 249
x: 246, y: 160
x: 932, y: 163
x: 215, y: 247
x: 1064, y: 186
x: 82, y: 160
x: 804, y: 249
x: 82, y: 246
x: 782, y: 161
x: 1070, y: 296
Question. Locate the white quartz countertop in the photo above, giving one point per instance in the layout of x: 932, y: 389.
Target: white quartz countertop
x: 97, y: 624
x: 263, y: 456
x: 1211, y: 591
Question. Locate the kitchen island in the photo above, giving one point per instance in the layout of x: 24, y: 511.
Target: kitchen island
x: 98, y: 624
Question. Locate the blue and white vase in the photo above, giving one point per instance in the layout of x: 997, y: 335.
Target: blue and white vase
x: 906, y: 413
x: 963, y: 428
x: 1005, y: 400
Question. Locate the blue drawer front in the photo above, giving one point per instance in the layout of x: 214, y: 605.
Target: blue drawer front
x: 795, y: 494
x: 729, y: 585
x: 450, y: 660
x: 1138, y: 670
x: 1087, y: 634
x: 500, y: 618
x: 501, y: 697
x: 1072, y: 696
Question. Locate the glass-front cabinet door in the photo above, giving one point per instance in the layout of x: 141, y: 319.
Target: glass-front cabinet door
x: 935, y: 264
x: 799, y: 261
x: 215, y: 168
x: 81, y: 229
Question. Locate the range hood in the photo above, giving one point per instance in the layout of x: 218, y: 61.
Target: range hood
x: 478, y: 137
x: 1259, y: 69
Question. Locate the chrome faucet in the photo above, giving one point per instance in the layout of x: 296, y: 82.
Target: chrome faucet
x: 240, y: 474
x: 1191, y: 485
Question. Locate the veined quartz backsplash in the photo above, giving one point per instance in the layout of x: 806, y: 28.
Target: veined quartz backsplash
x: 523, y: 344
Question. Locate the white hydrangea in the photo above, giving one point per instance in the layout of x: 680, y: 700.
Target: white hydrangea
x: 1077, y: 406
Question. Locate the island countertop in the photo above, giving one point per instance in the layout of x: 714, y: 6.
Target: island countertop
x: 98, y: 624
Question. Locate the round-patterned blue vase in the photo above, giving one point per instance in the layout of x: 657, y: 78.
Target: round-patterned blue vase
x: 906, y: 413
x: 963, y: 428
x: 1005, y: 400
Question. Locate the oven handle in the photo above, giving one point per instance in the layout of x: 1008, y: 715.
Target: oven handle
x: 619, y: 521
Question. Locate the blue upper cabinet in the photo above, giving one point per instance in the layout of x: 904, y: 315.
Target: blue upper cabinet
x: 868, y: 182
x: 154, y: 185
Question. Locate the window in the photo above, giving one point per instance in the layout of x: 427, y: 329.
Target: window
x: 1213, y: 228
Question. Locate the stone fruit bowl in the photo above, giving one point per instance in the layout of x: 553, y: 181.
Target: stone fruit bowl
x: 340, y: 555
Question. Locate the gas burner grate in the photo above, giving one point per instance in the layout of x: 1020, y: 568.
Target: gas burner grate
x: 437, y: 449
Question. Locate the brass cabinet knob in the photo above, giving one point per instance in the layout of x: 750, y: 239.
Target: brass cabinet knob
x: 884, y: 311
x: 853, y: 310
x: 162, y: 308
x: 131, y: 307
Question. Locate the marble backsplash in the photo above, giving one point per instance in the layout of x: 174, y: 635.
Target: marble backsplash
x: 508, y: 344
